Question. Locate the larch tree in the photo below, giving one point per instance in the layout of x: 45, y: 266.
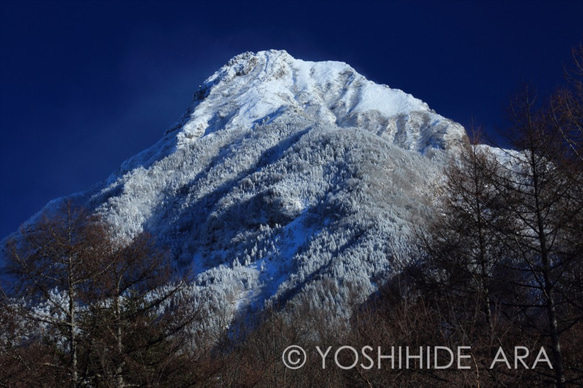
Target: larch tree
x: 47, y: 267
x: 544, y: 203
x: 90, y: 309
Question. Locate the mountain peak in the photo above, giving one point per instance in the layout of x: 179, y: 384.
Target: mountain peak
x: 283, y: 177
x: 254, y: 88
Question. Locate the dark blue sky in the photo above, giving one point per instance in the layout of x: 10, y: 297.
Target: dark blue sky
x: 87, y: 84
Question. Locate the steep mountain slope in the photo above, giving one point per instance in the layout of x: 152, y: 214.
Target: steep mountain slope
x: 285, y: 179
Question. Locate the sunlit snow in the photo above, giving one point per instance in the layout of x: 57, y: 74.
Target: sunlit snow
x: 285, y: 179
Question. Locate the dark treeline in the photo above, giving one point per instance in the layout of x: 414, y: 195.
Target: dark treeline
x: 499, y: 265
x: 79, y: 310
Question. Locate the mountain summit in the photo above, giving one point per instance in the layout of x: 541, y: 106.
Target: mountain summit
x: 255, y: 88
x: 284, y: 179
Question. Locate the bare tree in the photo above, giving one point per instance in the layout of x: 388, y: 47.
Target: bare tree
x: 544, y: 202
x: 139, y: 315
x: 48, y: 266
x: 567, y: 106
x: 91, y: 310
x: 463, y: 238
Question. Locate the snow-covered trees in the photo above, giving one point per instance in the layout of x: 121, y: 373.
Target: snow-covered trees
x: 305, y: 203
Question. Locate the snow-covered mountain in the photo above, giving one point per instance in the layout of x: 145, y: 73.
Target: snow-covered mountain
x: 285, y: 179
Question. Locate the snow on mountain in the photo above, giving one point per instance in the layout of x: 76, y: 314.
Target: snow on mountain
x: 284, y: 180
x: 254, y: 88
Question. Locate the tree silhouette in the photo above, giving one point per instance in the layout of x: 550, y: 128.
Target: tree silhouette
x: 90, y: 310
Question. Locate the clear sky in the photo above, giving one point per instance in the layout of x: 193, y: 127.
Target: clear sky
x: 87, y: 84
